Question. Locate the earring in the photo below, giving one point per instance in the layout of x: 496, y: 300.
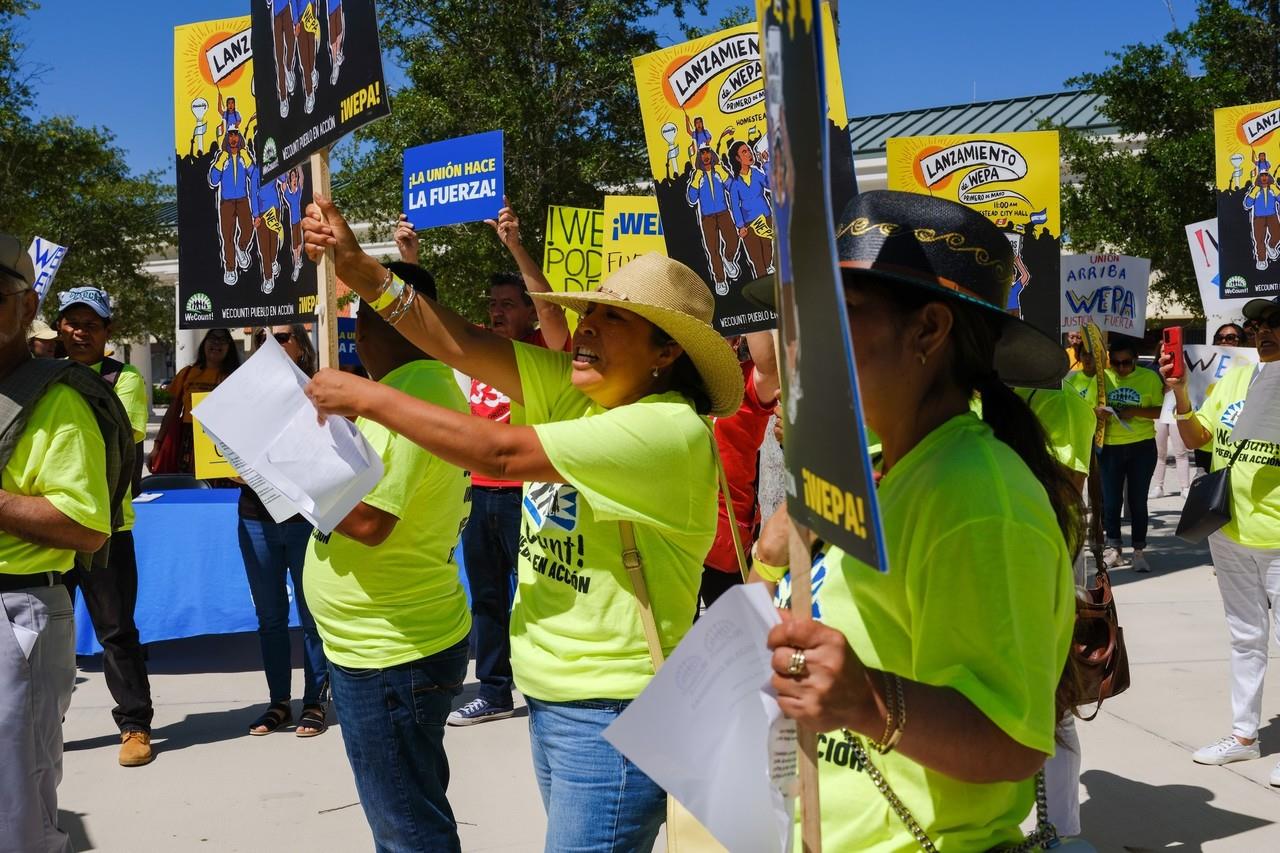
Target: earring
x: 923, y: 358
x: 656, y: 373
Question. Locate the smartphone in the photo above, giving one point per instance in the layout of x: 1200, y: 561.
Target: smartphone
x: 1173, y: 344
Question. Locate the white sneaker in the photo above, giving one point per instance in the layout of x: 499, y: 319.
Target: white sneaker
x: 230, y: 276
x: 1228, y: 750
x: 731, y: 269
x: 284, y: 108
x: 1156, y: 492
x: 1139, y: 562
x: 1111, y: 556
x: 1275, y: 775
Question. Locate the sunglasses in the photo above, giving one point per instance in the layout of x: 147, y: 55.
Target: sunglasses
x: 281, y: 337
x: 1122, y: 362
x: 1222, y: 339
x: 1271, y: 322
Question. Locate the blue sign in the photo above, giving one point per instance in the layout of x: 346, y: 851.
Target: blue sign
x: 347, y: 341
x: 457, y: 180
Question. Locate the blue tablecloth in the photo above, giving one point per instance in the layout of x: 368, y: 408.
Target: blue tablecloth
x: 191, y: 578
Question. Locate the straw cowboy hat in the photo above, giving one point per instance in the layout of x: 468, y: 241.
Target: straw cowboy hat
x: 911, y: 240
x: 672, y: 297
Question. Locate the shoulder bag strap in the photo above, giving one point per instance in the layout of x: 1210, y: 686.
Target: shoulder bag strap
x: 634, y: 564
x: 728, y: 503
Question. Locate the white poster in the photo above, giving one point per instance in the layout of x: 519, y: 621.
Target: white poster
x: 1202, y: 239
x: 1207, y: 364
x: 46, y: 257
x: 1107, y: 290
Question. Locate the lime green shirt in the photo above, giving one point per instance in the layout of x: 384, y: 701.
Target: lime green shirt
x: 1255, y: 476
x: 1142, y: 387
x: 1085, y: 386
x: 61, y: 457
x: 575, y: 628
x: 399, y: 601
x: 1069, y: 422
x: 979, y: 597
x: 132, y: 392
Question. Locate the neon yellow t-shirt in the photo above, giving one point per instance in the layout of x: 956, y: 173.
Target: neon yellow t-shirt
x: 1069, y: 422
x: 1085, y: 386
x: 1142, y: 387
x: 380, y: 606
x: 60, y: 456
x: 979, y: 597
x: 1255, y: 476
x: 132, y: 392
x: 575, y: 627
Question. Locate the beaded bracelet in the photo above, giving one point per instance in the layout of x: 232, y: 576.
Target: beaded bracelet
x: 406, y: 301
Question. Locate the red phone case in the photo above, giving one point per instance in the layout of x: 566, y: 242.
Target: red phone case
x: 1173, y: 344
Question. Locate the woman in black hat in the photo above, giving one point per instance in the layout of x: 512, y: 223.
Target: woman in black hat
x: 944, y: 669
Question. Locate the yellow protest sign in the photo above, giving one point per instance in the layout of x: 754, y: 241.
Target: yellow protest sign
x: 572, y: 253
x: 1245, y: 140
x: 1013, y: 180
x: 631, y: 228
x: 210, y: 464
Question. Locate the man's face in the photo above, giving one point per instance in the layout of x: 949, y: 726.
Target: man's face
x: 18, y: 304
x: 706, y: 158
x: 509, y: 315
x: 84, y: 334
x: 1074, y: 339
x: 43, y: 349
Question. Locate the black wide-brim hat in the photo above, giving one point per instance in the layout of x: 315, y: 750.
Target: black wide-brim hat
x: 913, y: 240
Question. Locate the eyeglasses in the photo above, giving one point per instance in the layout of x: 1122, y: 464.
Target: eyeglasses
x: 1223, y: 339
x: 281, y: 337
x: 1271, y: 321
x: 1122, y: 362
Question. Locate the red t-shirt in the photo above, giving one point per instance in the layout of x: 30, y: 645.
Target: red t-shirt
x: 488, y: 402
x: 739, y: 437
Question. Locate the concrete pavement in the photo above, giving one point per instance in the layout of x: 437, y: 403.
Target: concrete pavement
x: 214, y: 788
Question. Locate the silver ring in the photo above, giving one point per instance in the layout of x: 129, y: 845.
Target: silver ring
x: 796, y: 667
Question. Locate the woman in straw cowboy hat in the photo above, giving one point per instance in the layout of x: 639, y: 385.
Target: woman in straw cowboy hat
x: 943, y: 670
x: 612, y: 433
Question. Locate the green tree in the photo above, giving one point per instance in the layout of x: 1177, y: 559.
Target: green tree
x: 72, y: 185
x: 1137, y: 193
x: 555, y: 75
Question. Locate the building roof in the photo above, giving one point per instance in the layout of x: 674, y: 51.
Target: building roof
x: 1079, y: 110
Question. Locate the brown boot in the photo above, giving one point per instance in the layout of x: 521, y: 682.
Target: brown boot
x: 135, y: 749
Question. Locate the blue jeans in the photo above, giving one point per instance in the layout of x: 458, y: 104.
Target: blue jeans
x: 1132, y: 466
x: 272, y: 553
x: 393, y: 729
x: 596, y: 800
x: 490, y: 548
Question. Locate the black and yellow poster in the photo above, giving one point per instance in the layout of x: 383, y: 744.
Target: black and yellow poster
x: 829, y: 484
x: 240, y: 257
x: 1248, y: 200
x: 319, y: 76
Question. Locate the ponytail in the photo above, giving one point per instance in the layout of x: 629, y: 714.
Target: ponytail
x: 1013, y: 422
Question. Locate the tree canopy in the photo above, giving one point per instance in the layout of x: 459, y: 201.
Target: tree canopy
x: 555, y: 75
x: 1138, y: 198
x: 73, y: 185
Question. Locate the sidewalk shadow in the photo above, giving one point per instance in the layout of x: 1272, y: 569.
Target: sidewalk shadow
x: 192, y: 730
x: 1123, y: 814
x: 1166, y: 553
x: 1269, y: 736
x: 210, y: 653
x: 72, y: 823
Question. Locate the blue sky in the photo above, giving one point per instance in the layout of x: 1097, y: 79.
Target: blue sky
x: 111, y: 64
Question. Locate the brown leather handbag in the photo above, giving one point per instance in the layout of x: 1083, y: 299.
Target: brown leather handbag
x: 1097, y: 647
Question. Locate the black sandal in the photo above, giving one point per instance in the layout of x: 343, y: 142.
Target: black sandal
x: 313, y: 717
x: 277, y: 714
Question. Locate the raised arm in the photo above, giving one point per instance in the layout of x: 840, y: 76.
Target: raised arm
x: 551, y: 319
x: 433, y: 328
x: 1190, y: 430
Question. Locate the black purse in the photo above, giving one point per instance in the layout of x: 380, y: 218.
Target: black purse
x: 1208, y: 506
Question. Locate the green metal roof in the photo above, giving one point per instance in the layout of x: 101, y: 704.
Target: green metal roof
x: 1080, y: 110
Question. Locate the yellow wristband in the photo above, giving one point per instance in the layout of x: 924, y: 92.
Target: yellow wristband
x: 390, y: 294
x: 772, y: 574
x: 1184, y: 416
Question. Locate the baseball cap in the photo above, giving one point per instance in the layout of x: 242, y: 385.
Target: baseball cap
x: 14, y: 260
x: 1261, y: 309
x: 94, y: 297
x: 40, y: 331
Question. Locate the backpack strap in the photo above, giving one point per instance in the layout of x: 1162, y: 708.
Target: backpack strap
x: 111, y: 370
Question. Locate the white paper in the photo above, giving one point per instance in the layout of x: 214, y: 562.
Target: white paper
x: 264, y: 425
x: 709, y: 731
x: 147, y: 497
x: 1259, y: 420
x: 1116, y: 417
x: 26, y: 638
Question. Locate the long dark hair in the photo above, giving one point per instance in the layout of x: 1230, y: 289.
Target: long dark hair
x: 974, y: 334
x: 232, y: 359
x: 685, y: 377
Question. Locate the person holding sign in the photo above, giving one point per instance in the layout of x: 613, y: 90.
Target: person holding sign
x: 1246, y: 551
x: 942, y: 672
x: 1128, y: 456
x: 594, y: 427
x: 386, y: 595
x: 216, y: 358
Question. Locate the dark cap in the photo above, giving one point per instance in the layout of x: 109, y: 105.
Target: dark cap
x: 1261, y: 309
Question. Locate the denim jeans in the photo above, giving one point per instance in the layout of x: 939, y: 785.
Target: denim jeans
x: 273, y: 553
x: 1132, y: 466
x: 596, y: 800
x: 490, y: 548
x: 393, y: 729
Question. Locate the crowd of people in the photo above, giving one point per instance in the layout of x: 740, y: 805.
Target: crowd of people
x: 582, y: 481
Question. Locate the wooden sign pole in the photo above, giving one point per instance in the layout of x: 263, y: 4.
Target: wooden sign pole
x: 326, y: 275
x: 806, y: 740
